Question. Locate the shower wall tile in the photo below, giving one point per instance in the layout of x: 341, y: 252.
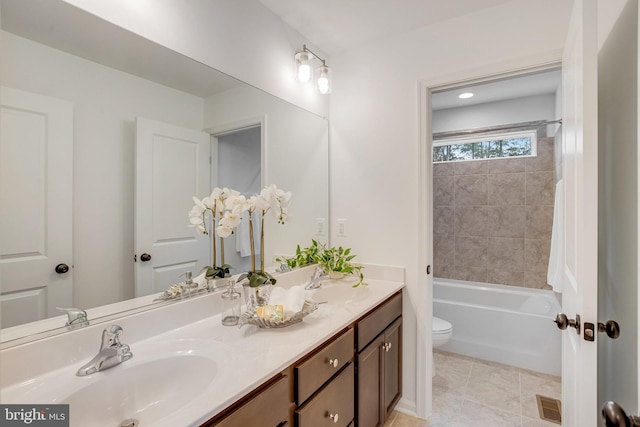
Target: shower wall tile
x: 443, y: 271
x: 506, y: 221
x: 506, y: 254
x: 443, y: 190
x: 443, y: 250
x: 502, y: 277
x: 544, y: 159
x: 536, y: 252
x: 539, y: 222
x: 506, y: 189
x: 536, y: 280
x: 471, y: 274
x: 470, y: 190
x: 475, y: 167
x: 443, y: 221
x: 540, y: 188
x: 443, y: 169
x: 470, y: 221
x: 492, y: 218
x: 470, y: 251
x: 506, y: 165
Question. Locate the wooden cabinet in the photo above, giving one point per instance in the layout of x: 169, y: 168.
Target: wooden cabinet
x: 379, y: 363
x: 333, y: 405
x: 352, y: 379
x: 312, y: 373
x: 266, y: 407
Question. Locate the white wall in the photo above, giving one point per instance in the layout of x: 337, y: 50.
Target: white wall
x: 240, y: 168
x: 241, y: 38
x: 106, y: 103
x: 295, y: 154
x: 525, y: 109
x: 375, y: 128
x: 618, y: 207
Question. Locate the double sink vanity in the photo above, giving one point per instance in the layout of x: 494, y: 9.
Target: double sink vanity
x: 340, y: 366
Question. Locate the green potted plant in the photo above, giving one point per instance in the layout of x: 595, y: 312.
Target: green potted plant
x: 336, y: 262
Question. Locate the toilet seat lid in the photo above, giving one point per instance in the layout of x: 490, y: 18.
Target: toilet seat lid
x: 440, y: 326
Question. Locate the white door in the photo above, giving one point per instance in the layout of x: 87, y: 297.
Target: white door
x: 36, y: 170
x: 172, y: 166
x: 580, y: 176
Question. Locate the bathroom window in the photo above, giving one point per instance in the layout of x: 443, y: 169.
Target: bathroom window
x: 493, y: 146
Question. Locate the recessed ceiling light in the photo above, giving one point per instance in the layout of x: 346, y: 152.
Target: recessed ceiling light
x: 465, y: 95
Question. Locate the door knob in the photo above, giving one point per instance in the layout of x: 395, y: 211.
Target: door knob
x: 563, y: 322
x: 62, y: 268
x: 611, y: 328
x: 145, y: 257
x: 614, y: 416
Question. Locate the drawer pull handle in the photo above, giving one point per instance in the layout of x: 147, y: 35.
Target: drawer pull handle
x: 333, y: 362
x: 387, y: 346
x: 334, y: 417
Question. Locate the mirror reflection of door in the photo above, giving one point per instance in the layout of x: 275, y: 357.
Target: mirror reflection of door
x: 36, y: 153
x: 239, y: 167
x: 172, y: 166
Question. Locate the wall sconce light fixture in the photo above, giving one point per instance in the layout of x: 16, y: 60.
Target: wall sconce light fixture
x: 305, y: 74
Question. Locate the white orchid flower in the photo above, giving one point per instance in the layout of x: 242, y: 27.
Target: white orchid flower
x: 262, y: 203
x: 208, y: 202
x: 195, y: 220
x: 231, y: 219
x: 198, y: 202
x: 224, y: 231
x: 216, y: 193
x: 237, y: 203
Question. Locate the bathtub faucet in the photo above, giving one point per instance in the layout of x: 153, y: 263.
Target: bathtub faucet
x: 316, y: 278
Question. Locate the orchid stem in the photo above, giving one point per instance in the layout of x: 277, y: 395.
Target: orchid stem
x: 253, y: 253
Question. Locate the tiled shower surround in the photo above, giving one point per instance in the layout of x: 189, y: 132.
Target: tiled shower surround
x: 492, y: 219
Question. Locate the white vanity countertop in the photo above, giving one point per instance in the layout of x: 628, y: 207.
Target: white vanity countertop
x: 244, y: 357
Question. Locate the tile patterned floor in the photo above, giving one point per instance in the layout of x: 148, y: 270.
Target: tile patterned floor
x: 469, y: 392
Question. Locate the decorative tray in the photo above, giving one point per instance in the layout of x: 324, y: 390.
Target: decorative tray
x: 290, y: 318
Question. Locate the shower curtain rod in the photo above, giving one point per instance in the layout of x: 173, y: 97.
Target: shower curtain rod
x: 454, y: 133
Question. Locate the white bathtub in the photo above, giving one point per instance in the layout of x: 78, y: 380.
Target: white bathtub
x: 504, y: 324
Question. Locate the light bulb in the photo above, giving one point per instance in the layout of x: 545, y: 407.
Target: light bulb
x: 303, y: 66
x: 323, y: 83
x: 304, y: 73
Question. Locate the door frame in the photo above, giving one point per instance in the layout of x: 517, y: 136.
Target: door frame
x: 511, y: 68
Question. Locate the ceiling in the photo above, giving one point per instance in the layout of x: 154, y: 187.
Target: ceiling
x: 337, y: 25
x: 334, y: 26
x: 541, y: 83
x: 56, y: 24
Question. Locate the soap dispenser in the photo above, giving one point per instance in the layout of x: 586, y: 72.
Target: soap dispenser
x: 188, y: 284
x: 230, y: 305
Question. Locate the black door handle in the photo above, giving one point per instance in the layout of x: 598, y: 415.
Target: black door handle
x: 62, y: 268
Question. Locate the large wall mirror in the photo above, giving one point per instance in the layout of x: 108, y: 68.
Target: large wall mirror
x: 78, y: 95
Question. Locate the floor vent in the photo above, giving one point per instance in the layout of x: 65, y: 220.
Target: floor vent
x: 549, y: 409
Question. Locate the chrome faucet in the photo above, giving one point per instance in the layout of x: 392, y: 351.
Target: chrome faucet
x: 316, y: 278
x: 112, y: 352
x: 76, y: 317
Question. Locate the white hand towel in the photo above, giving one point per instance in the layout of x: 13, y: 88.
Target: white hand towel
x: 556, y: 261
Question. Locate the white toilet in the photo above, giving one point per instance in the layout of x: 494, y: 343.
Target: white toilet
x: 441, y: 333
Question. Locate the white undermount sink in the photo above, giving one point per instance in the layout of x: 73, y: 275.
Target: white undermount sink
x: 146, y: 392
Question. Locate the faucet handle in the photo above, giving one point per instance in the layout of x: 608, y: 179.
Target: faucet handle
x: 75, y: 316
x: 111, y: 336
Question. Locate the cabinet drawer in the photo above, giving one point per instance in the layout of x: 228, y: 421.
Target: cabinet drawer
x: 372, y: 325
x: 335, y: 399
x: 316, y: 370
x: 268, y: 408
